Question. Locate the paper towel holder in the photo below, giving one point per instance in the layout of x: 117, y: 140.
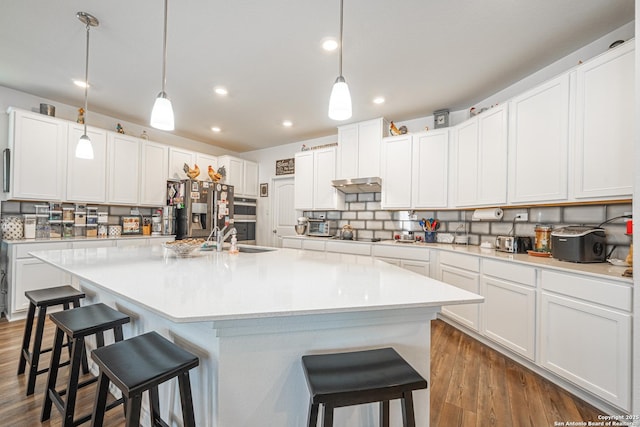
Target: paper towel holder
x: 489, y: 214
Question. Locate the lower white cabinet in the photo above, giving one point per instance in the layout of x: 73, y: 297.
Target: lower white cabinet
x: 585, y: 334
x: 461, y: 271
x: 291, y: 243
x: 509, y: 309
x: 409, y: 258
x: 31, y: 274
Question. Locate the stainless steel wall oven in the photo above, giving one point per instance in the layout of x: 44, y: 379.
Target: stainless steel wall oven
x: 245, y: 215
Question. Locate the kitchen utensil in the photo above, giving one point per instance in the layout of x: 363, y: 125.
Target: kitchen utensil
x: 183, y: 248
x: 300, y: 229
x: 539, y: 254
x: 347, y: 232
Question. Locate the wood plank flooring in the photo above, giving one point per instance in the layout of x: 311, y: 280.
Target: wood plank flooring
x: 471, y: 385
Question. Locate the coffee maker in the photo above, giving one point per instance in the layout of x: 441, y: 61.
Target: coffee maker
x: 193, y: 207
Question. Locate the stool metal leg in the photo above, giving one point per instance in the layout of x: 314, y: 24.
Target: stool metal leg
x: 327, y: 418
x: 133, y: 410
x: 53, y: 375
x: 26, y: 339
x: 313, y: 414
x: 408, y: 417
x: 97, y: 419
x: 384, y: 413
x: 186, y: 400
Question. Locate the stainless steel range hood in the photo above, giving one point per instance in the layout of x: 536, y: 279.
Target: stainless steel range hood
x: 358, y: 185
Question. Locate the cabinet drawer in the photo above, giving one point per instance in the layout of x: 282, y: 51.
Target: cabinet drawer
x: 510, y: 271
x: 22, y: 251
x: 349, y: 248
x: 313, y: 245
x: 589, y: 289
x: 292, y: 243
x: 402, y: 252
x: 123, y: 243
x: 467, y: 262
x: 93, y: 244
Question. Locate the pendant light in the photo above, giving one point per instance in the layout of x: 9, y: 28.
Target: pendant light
x: 162, y: 113
x: 84, y: 149
x: 340, y: 100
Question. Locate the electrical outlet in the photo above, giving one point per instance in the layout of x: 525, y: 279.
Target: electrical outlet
x: 413, y: 217
x: 522, y: 217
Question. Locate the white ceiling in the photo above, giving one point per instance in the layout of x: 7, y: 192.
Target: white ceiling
x: 421, y: 55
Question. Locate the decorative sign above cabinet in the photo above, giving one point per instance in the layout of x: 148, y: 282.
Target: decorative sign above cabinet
x: 286, y: 166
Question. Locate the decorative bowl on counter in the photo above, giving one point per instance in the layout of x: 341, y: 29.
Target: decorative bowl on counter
x: 183, y: 248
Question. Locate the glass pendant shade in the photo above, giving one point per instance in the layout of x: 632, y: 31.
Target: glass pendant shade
x: 162, y: 113
x: 340, y: 100
x: 84, y: 149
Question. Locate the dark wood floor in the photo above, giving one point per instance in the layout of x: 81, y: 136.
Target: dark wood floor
x: 471, y: 385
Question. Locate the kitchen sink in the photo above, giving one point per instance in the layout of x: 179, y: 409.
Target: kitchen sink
x: 253, y: 250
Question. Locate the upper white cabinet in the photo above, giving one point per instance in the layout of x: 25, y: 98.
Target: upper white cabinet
x: 177, y: 159
x: 359, y: 149
x: 87, y: 178
x: 204, y: 161
x: 604, y: 133
x: 395, y: 171
x: 154, y: 161
x: 430, y: 171
x: 242, y: 174
x: 315, y: 169
x: 124, y: 169
x: 38, y: 146
x: 539, y: 143
x: 480, y: 159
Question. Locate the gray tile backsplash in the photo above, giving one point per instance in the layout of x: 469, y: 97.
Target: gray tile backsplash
x: 370, y: 221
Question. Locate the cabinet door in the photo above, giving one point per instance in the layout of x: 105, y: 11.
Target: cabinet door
x: 588, y: 345
x: 539, y: 143
x: 38, y: 156
x: 466, y: 163
x: 420, y: 267
x: 303, y: 180
x: 369, y: 137
x: 204, y: 161
x: 347, y: 152
x: 250, y: 179
x: 396, y: 172
x: 235, y: 173
x: 153, y: 174
x: 492, y: 157
x: 466, y: 314
x: 124, y: 169
x: 177, y: 158
x: 87, y: 178
x: 605, y: 125
x: 509, y: 315
x: 324, y: 171
x: 32, y: 274
x: 430, y: 182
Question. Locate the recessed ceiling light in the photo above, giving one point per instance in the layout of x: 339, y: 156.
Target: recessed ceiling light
x: 378, y: 100
x: 330, y: 45
x: 287, y: 123
x: 216, y: 129
x: 221, y: 91
x: 80, y: 83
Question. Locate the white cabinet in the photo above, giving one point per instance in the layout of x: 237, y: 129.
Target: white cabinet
x: 461, y: 271
x: 204, y: 161
x: 154, y: 162
x: 291, y: 242
x: 38, y: 145
x: 177, y: 158
x: 605, y: 124
x: 359, y: 149
x: 87, y: 178
x: 395, y: 170
x: 430, y: 171
x: 410, y: 258
x: 585, y: 334
x: 315, y: 169
x: 480, y: 159
x: 539, y: 143
x: 509, y: 309
x: 242, y: 174
x: 124, y: 169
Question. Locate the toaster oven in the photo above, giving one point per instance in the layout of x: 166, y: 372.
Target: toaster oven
x: 321, y: 227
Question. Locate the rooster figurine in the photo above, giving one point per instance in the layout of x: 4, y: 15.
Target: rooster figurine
x: 215, y: 176
x: 191, y: 173
x: 393, y: 130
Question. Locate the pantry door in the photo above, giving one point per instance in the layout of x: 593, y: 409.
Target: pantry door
x: 283, y: 212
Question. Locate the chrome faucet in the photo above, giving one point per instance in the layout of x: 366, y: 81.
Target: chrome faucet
x: 221, y: 236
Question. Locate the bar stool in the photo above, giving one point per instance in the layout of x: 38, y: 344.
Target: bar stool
x: 43, y: 299
x: 354, y: 378
x: 77, y: 324
x: 140, y: 364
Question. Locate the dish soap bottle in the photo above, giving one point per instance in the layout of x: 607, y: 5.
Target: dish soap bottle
x: 234, y: 245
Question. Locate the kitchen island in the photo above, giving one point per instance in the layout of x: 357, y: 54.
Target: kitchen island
x: 251, y: 316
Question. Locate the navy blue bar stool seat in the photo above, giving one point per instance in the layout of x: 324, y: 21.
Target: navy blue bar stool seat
x: 42, y: 299
x: 354, y: 378
x: 139, y: 364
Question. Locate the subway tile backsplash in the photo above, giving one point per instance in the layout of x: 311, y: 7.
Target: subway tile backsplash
x: 363, y: 212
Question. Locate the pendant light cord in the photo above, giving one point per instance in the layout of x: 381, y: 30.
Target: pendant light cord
x: 341, y: 29
x: 164, y: 49
x: 86, y: 81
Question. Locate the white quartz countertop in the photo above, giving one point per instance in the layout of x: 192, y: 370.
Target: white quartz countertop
x: 283, y: 282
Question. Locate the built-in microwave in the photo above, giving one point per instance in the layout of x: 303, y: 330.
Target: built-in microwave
x: 321, y: 227
x: 245, y: 215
